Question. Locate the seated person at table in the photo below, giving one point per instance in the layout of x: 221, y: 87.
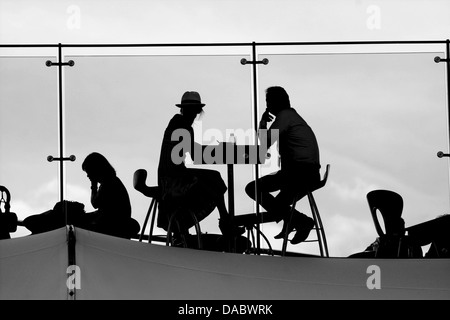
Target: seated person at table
x: 108, y: 195
x: 184, y: 189
x: 300, y: 165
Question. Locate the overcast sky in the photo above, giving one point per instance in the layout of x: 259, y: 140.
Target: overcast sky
x: 379, y: 113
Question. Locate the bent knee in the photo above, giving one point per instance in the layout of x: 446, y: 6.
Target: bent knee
x: 250, y: 189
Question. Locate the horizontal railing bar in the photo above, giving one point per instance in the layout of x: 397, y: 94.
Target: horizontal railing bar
x: 307, y: 43
x: 29, y: 45
x: 126, y: 45
x: 327, y: 43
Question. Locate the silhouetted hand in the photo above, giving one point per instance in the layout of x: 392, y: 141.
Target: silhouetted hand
x: 266, y: 116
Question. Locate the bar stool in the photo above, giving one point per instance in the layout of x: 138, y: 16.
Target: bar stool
x: 184, y: 241
x: 154, y: 192
x: 249, y: 221
x: 321, y: 239
x: 139, y: 183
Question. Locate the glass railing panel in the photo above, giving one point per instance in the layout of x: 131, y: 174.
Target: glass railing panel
x: 380, y: 120
x: 28, y: 134
x: 120, y: 106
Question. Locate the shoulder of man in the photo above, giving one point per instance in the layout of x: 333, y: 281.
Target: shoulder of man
x: 286, y: 114
x: 178, y: 121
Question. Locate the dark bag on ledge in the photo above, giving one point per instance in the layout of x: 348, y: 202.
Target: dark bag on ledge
x: 55, y: 218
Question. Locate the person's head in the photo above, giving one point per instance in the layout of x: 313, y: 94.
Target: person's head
x: 191, y: 105
x: 277, y: 99
x: 97, y: 167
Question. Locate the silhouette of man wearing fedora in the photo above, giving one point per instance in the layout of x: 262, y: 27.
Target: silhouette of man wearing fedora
x: 184, y: 189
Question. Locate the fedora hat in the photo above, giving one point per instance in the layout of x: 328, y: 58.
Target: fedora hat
x: 190, y: 98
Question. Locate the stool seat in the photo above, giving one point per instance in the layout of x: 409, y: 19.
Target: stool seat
x: 139, y: 183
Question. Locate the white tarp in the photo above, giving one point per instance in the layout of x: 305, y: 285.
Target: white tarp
x: 35, y: 267
x: 112, y: 268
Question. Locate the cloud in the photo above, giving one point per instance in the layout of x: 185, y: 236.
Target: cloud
x: 49, y: 188
x: 356, y: 190
x: 347, y: 235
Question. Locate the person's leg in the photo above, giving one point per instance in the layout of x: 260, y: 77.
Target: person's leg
x: 285, y: 198
x: 278, y: 206
x: 211, y: 185
x: 223, y: 212
x: 226, y: 225
x: 298, y: 221
x: 265, y: 185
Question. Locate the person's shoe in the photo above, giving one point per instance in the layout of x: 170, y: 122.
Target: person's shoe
x: 291, y: 225
x: 228, y: 229
x: 283, y: 230
x: 303, y: 231
x: 178, y: 240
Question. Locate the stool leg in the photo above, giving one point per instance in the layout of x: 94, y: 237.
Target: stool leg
x: 324, y: 239
x: 146, y: 220
x: 250, y: 235
x: 314, y: 216
x: 286, y: 234
x: 152, y: 224
x: 267, y: 241
x: 319, y: 227
x: 185, y: 244
x: 169, y: 231
x: 198, y: 231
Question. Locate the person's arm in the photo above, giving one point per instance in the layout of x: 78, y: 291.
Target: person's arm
x: 266, y: 117
x: 94, y: 194
x: 267, y: 136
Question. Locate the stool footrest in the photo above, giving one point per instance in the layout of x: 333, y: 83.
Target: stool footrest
x: 251, y: 219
